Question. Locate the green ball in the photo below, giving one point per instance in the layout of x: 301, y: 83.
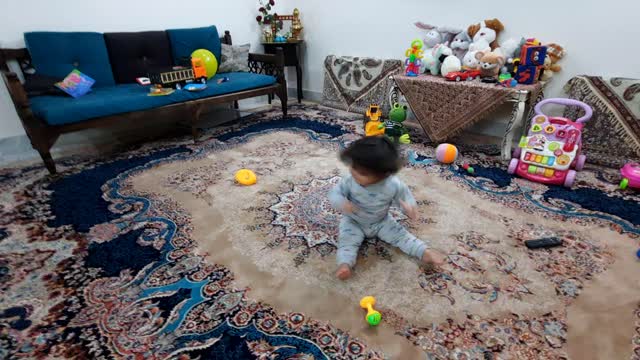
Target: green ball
x: 209, y: 60
x: 374, y: 319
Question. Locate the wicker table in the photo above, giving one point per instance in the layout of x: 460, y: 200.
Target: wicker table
x: 445, y: 108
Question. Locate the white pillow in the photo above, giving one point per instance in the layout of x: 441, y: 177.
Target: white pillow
x: 234, y: 58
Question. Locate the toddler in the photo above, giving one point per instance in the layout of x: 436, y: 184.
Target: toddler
x: 365, y: 197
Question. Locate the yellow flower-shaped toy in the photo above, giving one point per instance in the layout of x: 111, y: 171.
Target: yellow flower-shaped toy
x: 246, y: 177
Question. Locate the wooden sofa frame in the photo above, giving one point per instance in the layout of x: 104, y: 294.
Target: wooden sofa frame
x: 43, y: 136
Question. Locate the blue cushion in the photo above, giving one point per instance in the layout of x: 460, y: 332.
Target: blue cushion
x: 117, y: 99
x: 57, y: 53
x: 186, y: 41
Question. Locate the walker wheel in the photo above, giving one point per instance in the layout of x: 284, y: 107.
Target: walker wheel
x: 624, y: 184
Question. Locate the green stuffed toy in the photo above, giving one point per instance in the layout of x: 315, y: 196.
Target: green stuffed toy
x: 394, y: 128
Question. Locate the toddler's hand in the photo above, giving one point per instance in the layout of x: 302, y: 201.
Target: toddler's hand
x: 433, y: 257
x: 348, y: 207
x: 410, y: 211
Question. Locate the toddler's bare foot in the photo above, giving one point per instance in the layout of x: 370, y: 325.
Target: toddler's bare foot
x: 433, y: 257
x: 343, y: 272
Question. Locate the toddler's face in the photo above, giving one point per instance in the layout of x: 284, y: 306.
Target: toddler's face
x: 363, y: 177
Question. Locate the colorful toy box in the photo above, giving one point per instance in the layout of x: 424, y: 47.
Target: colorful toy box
x: 551, y: 149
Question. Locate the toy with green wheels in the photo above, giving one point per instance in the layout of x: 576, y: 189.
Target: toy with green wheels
x: 630, y: 176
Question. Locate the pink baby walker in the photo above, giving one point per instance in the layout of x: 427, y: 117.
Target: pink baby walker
x: 552, y: 147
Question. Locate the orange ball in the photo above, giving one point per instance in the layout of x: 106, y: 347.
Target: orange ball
x: 446, y: 153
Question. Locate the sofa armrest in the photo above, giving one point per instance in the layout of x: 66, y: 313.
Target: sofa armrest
x: 268, y: 64
x: 16, y: 90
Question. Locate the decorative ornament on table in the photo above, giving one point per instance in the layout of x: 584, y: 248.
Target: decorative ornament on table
x: 485, y: 34
x: 460, y: 44
x: 490, y: 64
x: 266, y: 18
x: 296, y: 26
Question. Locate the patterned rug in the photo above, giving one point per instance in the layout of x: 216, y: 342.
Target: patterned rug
x: 613, y: 134
x: 353, y: 83
x: 156, y: 254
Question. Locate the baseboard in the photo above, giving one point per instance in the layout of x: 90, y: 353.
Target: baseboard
x: 308, y: 95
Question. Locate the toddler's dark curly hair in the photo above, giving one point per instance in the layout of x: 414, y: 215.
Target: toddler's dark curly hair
x: 376, y: 155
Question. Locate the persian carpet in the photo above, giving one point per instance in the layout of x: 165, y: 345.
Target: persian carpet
x: 612, y: 135
x: 155, y: 253
x: 353, y: 83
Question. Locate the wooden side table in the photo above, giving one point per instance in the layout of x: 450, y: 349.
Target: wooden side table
x: 291, y: 58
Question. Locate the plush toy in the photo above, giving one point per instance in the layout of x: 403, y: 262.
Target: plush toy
x: 485, y: 34
x: 450, y: 64
x: 433, y: 60
x: 436, y: 34
x: 490, y: 64
x: 555, y: 52
x: 460, y: 44
x: 470, y: 62
x: 510, y: 51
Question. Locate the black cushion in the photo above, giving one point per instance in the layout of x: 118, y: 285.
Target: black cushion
x: 135, y: 54
x: 38, y: 85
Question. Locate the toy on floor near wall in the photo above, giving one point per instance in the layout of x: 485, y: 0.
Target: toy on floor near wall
x: 373, y: 317
x: 414, y: 58
x: 394, y: 128
x: 630, y: 176
x: 372, y: 124
x: 552, y: 147
x: 246, y: 177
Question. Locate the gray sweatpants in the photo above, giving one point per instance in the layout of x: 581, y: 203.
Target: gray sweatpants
x: 388, y: 230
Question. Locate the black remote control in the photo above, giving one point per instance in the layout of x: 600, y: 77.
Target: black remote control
x: 543, y: 243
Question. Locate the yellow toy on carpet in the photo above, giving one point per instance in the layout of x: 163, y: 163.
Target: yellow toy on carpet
x: 373, y: 316
x: 246, y: 177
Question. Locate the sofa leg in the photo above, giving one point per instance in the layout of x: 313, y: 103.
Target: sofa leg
x: 236, y: 105
x: 48, y: 161
x: 283, y: 100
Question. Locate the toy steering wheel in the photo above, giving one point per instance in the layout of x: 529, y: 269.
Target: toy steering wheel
x: 588, y: 112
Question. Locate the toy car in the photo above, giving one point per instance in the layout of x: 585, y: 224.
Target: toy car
x: 630, y: 176
x: 463, y: 75
x: 552, y: 147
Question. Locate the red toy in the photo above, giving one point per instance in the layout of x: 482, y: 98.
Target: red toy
x: 463, y: 75
x: 630, y: 176
x: 552, y: 147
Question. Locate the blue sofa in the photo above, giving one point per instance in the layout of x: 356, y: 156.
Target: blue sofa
x: 114, y: 60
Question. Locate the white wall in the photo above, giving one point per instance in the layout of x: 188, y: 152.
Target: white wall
x: 592, y: 31
x: 19, y: 16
